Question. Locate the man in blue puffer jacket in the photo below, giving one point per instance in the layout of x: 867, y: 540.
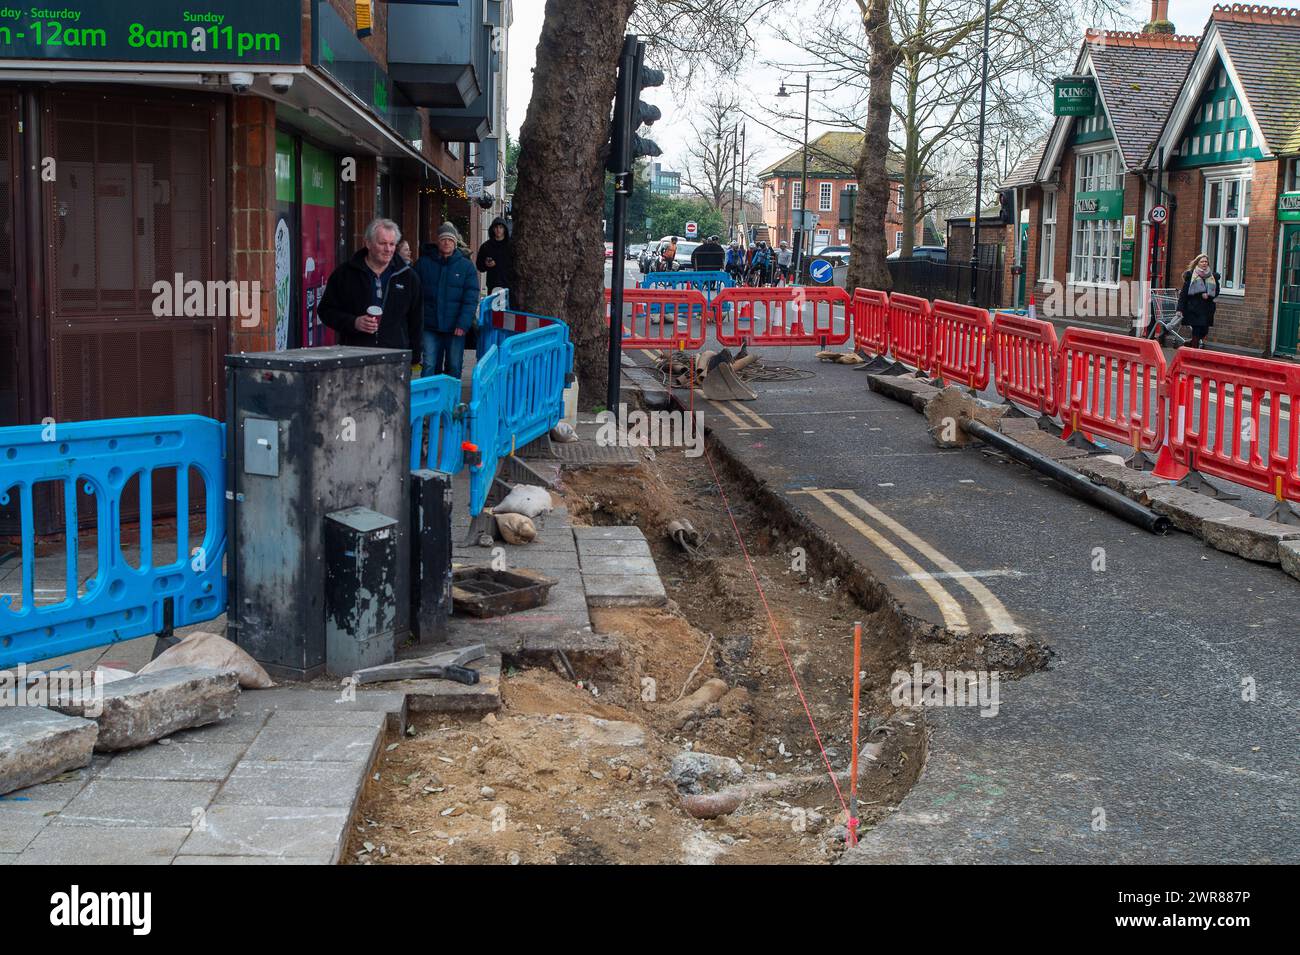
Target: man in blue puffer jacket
x: 449, y: 282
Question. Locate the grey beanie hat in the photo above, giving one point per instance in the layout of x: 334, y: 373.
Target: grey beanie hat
x: 448, y: 229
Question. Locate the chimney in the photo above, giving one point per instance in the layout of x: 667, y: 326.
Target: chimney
x: 1159, y: 18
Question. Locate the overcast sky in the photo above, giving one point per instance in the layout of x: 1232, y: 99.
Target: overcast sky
x: 673, y: 131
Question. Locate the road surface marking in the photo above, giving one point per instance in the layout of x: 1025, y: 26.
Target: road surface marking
x: 999, y: 619
x: 967, y: 574
x: 966, y: 481
x: 954, y: 617
x: 732, y: 416
x: 735, y: 410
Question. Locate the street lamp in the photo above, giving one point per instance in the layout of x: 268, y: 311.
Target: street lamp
x: 803, y: 189
x: 979, y: 162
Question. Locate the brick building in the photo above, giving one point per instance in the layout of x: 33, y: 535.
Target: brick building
x: 832, y: 183
x: 1209, y: 129
x: 253, y: 149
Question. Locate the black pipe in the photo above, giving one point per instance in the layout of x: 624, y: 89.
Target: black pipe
x: 1075, y: 483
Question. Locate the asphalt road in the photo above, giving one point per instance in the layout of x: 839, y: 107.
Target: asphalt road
x: 1136, y: 745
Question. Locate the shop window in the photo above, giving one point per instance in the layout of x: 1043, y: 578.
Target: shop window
x: 1226, y: 221
x: 1047, y: 237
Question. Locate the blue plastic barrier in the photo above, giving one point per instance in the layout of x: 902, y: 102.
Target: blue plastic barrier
x: 121, y: 601
x: 710, y: 283
x: 518, y: 396
x: 436, y: 405
x: 488, y: 335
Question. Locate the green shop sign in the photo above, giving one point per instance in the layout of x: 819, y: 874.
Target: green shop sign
x: 1074, y: 96
x: 1288, y: 207
x: 1105, y: 204
x: 153, y: 31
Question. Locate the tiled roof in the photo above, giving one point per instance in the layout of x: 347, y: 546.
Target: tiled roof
x: 1263, y: 44
x: 830, y: 155
x: 1140, y: 75
x: 1026, y: 171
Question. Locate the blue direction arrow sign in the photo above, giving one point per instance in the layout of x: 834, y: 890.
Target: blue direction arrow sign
x: 821, y: 270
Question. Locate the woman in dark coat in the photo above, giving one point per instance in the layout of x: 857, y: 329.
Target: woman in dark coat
x: 496, y: 258
x: 1196, y: 298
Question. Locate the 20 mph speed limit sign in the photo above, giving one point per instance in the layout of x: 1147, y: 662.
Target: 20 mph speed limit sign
x: 1158, y: 215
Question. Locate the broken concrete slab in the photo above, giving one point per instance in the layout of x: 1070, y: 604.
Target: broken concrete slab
x: 37, y: 744
x: 1187, y: 510
x: 1117, y: 477
x: 143, y: 708
x: 946, y: 411
x: 903, y: 388
x: 1289, y: 554
x: 1251, y: 537
x: 624, y: 590
x: 1014, y: 426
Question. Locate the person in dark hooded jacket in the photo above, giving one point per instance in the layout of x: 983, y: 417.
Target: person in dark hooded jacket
x: 496, y: 257
x: 450, y: 287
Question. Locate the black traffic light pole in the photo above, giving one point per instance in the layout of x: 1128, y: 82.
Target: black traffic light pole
x: 620, y: 154
x: 624, y: 149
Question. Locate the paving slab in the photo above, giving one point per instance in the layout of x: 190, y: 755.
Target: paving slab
x: 73, y: 845
x: 136, y: 804
x: 448, y: 696
x: 592, y: 564
x: 354, y: 744
x: 624, y: 532
x: 21, y: 820
x: 550, y: 562
x: 37, y: 744
x: 59, y: 790
x: 625, y: 590
x: 1251, y: 537
x: 251, y: 860
x: 613, y: 548
x: 287, y: 832
x: 189, y: 761
x: 330, y: 785
x: 1187, y: 510
x: 331, y: 700
x: 367, y: 719
x: 243, y: 727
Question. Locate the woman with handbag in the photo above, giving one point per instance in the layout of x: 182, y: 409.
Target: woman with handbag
x: 1196, y: 298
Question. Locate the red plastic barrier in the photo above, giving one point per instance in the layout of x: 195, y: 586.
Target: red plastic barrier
x: 1025, y: 361
x: 662, y: 318
x: 1216, y: 403
x: 871, y: 321
x: 1112, y: 385
x: 911, y: 331
x: 961, y: 343
x: 793, y: 315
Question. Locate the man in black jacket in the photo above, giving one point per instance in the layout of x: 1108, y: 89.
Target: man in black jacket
x: 376, y: 277
x: 496, y: 258
x: 708, y: 256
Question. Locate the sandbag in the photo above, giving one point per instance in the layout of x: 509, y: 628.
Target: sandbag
x: 515, y: 528
x: 210, y: 650
x: 526, y: 499
x: 564, y: 433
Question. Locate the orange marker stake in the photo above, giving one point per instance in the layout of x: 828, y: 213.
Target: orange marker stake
x: 853, y: 775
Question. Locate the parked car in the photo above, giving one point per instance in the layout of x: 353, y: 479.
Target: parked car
x: 934, y: 253
x: 633, y: 250
x: 832, y: 250
x: 683, y: 260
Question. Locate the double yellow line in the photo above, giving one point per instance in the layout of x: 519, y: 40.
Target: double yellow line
x: 744, y: 418
x: 954, y: 616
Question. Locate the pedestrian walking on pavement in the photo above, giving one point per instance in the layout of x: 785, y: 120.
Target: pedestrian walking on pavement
x: 496, y: 258
x: 451, y: 289
x: 373, y: 299
x: 708, y: 256
x: 1196, y: 298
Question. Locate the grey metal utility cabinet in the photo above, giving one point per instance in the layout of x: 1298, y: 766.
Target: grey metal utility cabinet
x: 311, y: 431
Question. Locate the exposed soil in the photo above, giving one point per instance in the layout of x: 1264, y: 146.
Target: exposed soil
x: 579, y: 773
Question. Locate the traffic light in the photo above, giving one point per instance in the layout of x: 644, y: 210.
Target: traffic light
x: 630, y: 113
